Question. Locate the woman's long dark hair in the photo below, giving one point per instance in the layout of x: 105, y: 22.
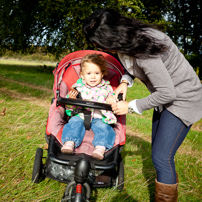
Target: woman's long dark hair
x: 109, y: 30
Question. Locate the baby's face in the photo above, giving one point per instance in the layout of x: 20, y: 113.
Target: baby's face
x: 91, y: 74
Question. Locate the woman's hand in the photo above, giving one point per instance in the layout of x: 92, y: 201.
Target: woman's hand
x: 73, y: 93
x: 120, y: 108
x: 110, y: 100
x: 122, y: 88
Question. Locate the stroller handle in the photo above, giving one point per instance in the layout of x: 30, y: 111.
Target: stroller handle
x: 84, y: 103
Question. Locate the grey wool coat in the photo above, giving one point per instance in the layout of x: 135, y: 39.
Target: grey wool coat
x: 171, y: 80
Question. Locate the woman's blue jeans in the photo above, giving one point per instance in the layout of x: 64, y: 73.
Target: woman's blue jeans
x: 74, y: 130
x: 168, y: 133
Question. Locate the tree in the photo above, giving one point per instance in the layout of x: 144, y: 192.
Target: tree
x: 63, y: 24
x: 56, y: 24
x: 185, y: 29
x: 16, y: 24
x: 155, y: 10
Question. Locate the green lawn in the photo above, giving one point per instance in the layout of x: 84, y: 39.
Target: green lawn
x: 25, y: 95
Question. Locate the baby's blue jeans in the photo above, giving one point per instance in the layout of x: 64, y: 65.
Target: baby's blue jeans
x: 168, y: 133
x: 74, y: 130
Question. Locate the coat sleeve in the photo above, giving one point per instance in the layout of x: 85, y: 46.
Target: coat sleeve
x: 161, y: 81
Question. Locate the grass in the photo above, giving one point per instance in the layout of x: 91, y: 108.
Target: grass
x: 25, y: 94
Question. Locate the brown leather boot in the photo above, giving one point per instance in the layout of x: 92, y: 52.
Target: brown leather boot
x: 165, y: 192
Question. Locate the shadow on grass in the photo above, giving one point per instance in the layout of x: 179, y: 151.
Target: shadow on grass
x: 148, y: 170
x: 119, y: 197
x: 144, y: 151
x: 124, y: 197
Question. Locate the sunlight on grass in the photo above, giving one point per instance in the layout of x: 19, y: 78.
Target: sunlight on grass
x: 30, y: 75
x: 22, y: 62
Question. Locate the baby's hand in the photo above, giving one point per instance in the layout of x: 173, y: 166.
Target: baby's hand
x: 73, y: 93
x: 110, y: 100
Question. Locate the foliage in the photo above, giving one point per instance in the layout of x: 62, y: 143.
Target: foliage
x: 196, y: 61
x: 185, y: 29
x: 34, y: 54
x: 17, y: 23
x: 56, y: 24
x: 155, y: 10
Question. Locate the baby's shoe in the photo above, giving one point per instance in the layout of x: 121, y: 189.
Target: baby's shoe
x: 98, y: 153
x: 68, y: 147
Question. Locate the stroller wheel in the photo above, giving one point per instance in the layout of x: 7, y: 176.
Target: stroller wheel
x: 37, y: 172
x: 71, y: 194
x: 120, y: 178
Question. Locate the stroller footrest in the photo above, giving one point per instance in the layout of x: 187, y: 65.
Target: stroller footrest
x: 67, y: 162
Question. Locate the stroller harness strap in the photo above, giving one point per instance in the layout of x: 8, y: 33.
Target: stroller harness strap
x: 87, y: 116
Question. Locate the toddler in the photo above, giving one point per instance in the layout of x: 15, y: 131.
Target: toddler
x: 92, y: 87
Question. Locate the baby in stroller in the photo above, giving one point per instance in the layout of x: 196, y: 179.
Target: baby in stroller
x: 91, y: 86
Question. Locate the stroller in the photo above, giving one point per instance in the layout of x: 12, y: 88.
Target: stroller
x: 79, y: 170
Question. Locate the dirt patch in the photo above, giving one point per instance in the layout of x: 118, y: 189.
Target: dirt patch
x: 136, y: 134
x: 13, y: 61
x: 184, y: 149
x: 197, y: 127
x: 21, y: 96
x: 28, y: 85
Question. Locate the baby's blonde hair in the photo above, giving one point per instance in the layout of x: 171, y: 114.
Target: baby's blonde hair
x: 97, y: 59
